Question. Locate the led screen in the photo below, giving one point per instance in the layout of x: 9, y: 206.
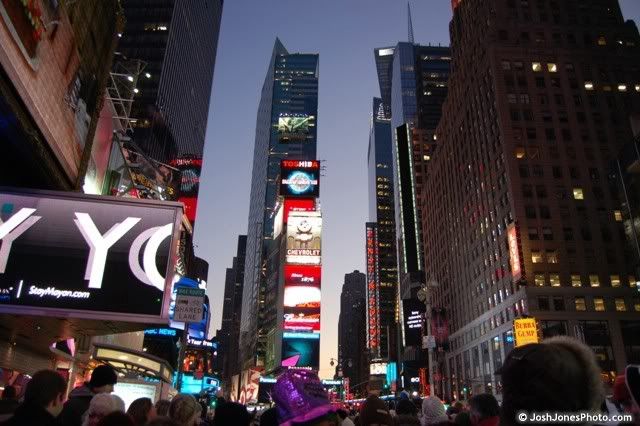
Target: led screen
x: 190, y: 169
x: 302, y: 298
x: 304, y: 231
x: 300, y: 178
x: 294, y: 128
x: 301, y: 350
x: 413, y: 316
x: 86, y: 253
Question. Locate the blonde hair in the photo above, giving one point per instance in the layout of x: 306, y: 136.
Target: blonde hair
x: 184, y: 409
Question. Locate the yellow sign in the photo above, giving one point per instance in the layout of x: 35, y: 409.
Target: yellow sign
x: 525, y: 331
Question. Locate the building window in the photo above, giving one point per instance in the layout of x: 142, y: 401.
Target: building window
x: 580, y: 304
x: 533, y: 234
x: 512, y: 98
x: 615, y: 280
x: 554, y: 279
x: 536, y: 66
x: 602, y: 41
x: 617, y: 214
x: 636, y: 305
x: 545, y: 213
x: 536, y: 256
x: 620, y: 305
x: 539, y: 280
x: 520, y: 152
x: 594, y: 280
x: 558, y: 304
x: 568, y: 234
x: 506, y: 65
x: 622, y: 87
x: 598, y: 303
x: 552, y: 67
x: 547, y: 234
x: 552, y: 256
x: 543, y: 303
x: 578, y: 194
x: 530, y: 212
x: 575, y: 280
x: 588, y: 85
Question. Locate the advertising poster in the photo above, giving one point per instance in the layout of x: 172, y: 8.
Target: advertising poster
x: 516, y: 260
x: 294, y: 128
x: 413, y: 314
x: 440, y: 327
x: 250, y: 384
x: 151, y: 179
x: 301, y: 350
x: 86, y: 253
x: 304, y: 238
x: 302, y: 298
x: 190, y: 168
x: 300, y: 178
x: 295, y: 205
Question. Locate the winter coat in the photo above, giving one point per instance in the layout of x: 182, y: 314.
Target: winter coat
x: 7, y: 408
x: 407, y: 420
x: 32, y: 415
x: 76, y: 406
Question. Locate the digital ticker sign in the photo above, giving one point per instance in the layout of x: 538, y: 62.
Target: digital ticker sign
x: 300, y: 178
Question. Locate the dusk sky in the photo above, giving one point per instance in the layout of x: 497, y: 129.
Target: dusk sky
x: 344, y: 33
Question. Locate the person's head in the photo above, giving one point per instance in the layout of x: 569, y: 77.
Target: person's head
x: 342, y: 414
x: 9, y: 392
x: 459, y: 406
x: 231, y: 413
x: 162, y: 407
x: 185, y: 410
x: 100, y: 406
x: 46, y: 389
x: 433, y: 411
x: 103, y: 378
x: 374, y: 412
x: 141, y: 411
x: 482, y: 407
x: 269, y: 417
x: 559, y: 374
x: 300, y: 398
x: 117, y: 418
x: 406, y: 407
x: 463, y: 419
x: 163, y: 421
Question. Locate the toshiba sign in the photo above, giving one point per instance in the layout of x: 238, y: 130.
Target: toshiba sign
x: 85, y: 254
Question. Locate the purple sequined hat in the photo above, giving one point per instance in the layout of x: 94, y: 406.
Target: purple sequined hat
x: 300, y: 397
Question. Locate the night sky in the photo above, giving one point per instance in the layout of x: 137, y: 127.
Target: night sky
x: 344, y: 33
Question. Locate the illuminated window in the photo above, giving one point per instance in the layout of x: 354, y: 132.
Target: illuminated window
x: 536, y: 66
x: 594, y: 281
x: 552, y: 256
x: 606, y: 88
x: 552, y: 67
x: 617, y: 214
x: 598, y: 303
x: 536, y: 257
x: 637, y: 87
x: 575, y: 280
x: 520, y: 153
x: 578, y: 194
x: 554, y: 279
x: 580, y: 304
x: 426, y: 157
x: 539, y: 280
x: 602, y: 41
x: 622, y: 87
x: 435, y: 137
x: 632, y: 281
x: 615, y: 280
x: 636, y: 305
x: 620, y: 305
x: 588, y: 85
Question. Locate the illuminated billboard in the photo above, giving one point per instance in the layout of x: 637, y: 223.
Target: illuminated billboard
x: 516, y: 261
x: 302, y: 275
x: 301, y: 350
x: 190, y: 168
x: 378, y: 369
x: 302, y: 298
x: 294, y: 127
x: 373, y: 324
x: 87, y: 256
x: 413, y: 315
x: 304, y: 238
x: 300, y: 178
x: 295, y: 205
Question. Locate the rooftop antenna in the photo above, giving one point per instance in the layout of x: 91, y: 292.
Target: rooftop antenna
x: 410, y: 24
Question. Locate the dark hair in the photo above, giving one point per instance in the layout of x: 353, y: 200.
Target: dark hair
x: 485, y: 405
x: 116, y: 418
x: 560, y: 374
x: 44, y: 387
x: 9, y: 392
x: 406, y: 407
x: 162, y: 421
x: 269, y: 417
x: 231, y: 413
x: 342, y: 414
x: 103, y: 375
x: 162, y: 407
x: 139, y: 411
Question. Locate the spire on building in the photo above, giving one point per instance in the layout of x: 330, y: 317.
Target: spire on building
x: 410, y: 24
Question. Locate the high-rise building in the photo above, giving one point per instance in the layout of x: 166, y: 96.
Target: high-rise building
x: 229, y: 334
x: 177, y: 41
x: 285, y: 129
x: 381, y: 213
x: 352, y: 329
x: 520, y: 209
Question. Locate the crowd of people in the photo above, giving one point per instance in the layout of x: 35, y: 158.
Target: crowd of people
x: 557, y: 375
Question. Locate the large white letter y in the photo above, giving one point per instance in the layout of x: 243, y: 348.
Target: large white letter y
x: 12, y: 229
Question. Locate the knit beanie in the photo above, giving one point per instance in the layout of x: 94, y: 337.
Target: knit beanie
x: 433, y: 411
x: 103, y: 375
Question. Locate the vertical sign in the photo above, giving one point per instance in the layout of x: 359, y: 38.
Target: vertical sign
x: 515, y: 253
x: 373, y: 325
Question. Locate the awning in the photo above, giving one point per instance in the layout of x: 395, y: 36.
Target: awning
x: 133, y: 363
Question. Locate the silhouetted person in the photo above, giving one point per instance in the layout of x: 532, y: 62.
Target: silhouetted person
x: 43, y: 401
x: 103, y: 378
x: 8, y: 403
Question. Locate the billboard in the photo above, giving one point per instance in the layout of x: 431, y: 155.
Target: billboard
x: 373, y: 326
x: 304, y: 238
x: 302, y: 298
x: 295, y: 205
x: 249, y: 384
x: 378, y: 369
x: 151, y: 179
x: 294, y: 128
x: 525, y: 331
x: 86, y: 256
x: 516, y: 261
x: 300, y: 178
x: 413, y: 316
x: 440, y: 327
x: 301, y: 350
x: 190, y: 168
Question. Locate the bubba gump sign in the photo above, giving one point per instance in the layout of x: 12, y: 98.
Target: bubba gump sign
x: 525, y: 331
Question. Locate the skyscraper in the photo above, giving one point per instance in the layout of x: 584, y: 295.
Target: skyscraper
x: 289, y: 95
x: 352, y: 329
x: 172, y: 103
x: 520, y: 211
x: 229, y: 333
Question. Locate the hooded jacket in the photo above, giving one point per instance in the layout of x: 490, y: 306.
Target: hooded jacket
x: 76, y: 406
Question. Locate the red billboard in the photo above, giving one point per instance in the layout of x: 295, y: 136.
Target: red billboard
x: 373, y: 326
x: 294, y: 205
x: 516, y: 260
x: 302, y: 298
x: 190, y: 168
